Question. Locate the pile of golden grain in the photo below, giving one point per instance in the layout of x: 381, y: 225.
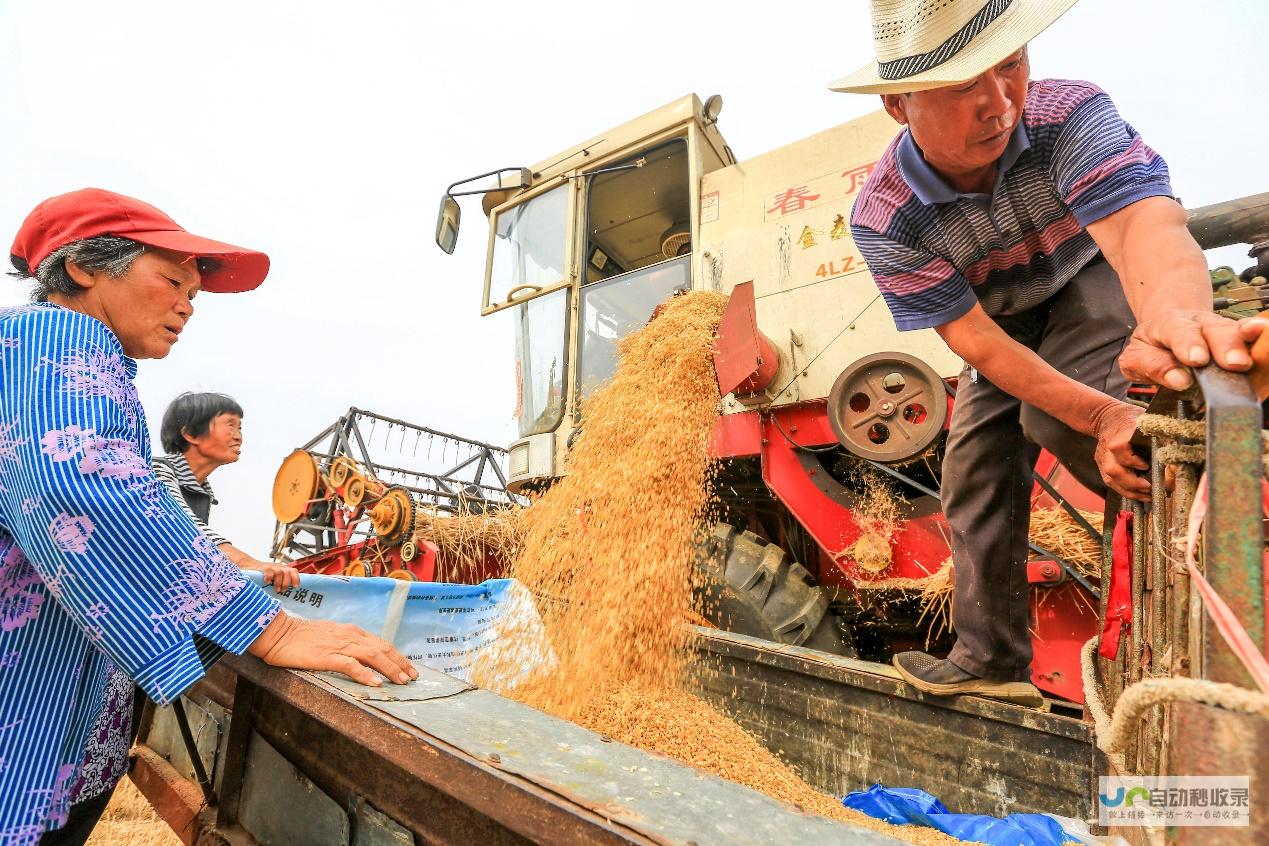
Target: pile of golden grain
x: 609, y: 554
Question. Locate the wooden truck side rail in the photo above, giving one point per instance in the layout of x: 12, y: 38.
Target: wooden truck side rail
x: 1214, y: 427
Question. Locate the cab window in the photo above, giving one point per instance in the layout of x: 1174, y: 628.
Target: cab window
x: 638, y: 216
x: 528, y: 246
x: 637, y: 253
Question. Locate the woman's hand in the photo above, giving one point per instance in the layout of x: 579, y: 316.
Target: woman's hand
x: 281, y: 576
x: 300, y: 644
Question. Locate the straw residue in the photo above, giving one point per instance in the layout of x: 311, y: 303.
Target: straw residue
x: 466, y: 540
x: 1058, y: 532
x: 877, y: 513
x: 1051, y: 528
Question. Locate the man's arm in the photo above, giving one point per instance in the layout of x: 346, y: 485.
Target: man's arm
x: 1021, y: 373
x: 1165, y: 279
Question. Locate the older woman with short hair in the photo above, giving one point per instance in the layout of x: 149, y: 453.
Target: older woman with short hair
x: 104, y: 580
x: 200, y: 432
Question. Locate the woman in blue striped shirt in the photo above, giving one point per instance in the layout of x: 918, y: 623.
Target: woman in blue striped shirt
x: 104, y: 580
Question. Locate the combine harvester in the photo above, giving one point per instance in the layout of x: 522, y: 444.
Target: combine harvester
x: 822, y: 396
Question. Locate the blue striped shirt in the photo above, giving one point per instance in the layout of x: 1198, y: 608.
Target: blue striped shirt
x: 935, y: 252
x: 99, y: 567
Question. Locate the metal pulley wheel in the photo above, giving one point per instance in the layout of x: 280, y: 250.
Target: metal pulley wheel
x: 341, y: 469
x: 888, y: 407
x: 295, y: 486
x: 409, y: 551
x: 354, y: 491
x: 403, y: 576
x: 393, y: 516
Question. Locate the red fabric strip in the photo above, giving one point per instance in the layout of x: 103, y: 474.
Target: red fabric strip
x: 1119, y: 598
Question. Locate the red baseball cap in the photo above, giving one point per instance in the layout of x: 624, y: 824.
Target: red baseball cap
x: 89, y: 212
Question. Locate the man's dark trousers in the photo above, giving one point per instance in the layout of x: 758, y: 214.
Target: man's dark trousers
x: 992, y: 446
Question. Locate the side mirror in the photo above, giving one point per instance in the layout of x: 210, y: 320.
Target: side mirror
x: 450, y: 214
x: 447, y: 220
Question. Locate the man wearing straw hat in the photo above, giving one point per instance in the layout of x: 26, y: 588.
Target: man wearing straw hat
x: 1032, y: 227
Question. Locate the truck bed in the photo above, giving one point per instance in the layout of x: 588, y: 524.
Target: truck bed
x: 846, y: 724
x: 318, y: 759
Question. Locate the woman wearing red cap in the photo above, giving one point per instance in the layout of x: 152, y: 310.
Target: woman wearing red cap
x: 104, y: 580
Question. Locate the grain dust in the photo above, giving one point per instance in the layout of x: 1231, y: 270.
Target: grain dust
x: 877, y: 513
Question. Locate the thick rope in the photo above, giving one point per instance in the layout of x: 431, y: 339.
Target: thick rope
x: 1113, y: 732
x: 1163, y: 426
x: 1182, y: 454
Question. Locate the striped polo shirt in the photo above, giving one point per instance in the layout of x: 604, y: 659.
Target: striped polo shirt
x: 934, y: 252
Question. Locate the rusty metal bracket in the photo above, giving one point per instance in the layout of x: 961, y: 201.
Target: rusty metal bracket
x: 195, y: 758
x: 1233, y: 538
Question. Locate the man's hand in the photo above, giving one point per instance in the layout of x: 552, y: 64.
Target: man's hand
x: 1164, y: 276
x: 299, y: 644
x: 1113, y: 427
x: 1170, y: 341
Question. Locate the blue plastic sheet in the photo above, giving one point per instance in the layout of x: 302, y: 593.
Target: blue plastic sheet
x: 910, y: 806
x: 442, y: 626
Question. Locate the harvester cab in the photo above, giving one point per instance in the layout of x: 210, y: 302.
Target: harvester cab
x: 584, y: 248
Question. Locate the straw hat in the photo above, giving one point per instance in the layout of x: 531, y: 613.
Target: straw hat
x: 924, y: 44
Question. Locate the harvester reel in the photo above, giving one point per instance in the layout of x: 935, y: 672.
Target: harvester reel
x: 393, y: 516
x: 888, y: 407
x: 295, y: 486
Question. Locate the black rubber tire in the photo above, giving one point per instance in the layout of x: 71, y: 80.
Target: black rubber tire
x: 751, y: 587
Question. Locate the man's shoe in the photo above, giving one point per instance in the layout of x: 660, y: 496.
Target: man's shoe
x: 943, y: 678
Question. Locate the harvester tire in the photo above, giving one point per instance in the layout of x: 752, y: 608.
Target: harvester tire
x: 752, y: 587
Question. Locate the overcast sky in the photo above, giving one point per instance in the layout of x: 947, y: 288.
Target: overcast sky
x: 324, y: 133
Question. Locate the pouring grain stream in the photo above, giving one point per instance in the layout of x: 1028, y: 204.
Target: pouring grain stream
x: 609, y: 551
x: 609, y: 554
